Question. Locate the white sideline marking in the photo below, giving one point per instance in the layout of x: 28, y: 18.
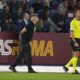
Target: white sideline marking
x: 57, y: 69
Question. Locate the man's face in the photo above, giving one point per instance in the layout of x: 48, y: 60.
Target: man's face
x: 37, y: 20
x: 27, y: 16
x: 77, y: 14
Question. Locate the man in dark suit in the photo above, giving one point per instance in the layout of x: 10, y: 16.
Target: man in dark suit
x: 24, y: 22
x: 25, y: 36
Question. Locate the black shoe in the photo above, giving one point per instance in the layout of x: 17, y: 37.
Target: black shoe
x: 12, y: 69
x: 65, y: 68
x: 30, y: 70
x: 76, y: 72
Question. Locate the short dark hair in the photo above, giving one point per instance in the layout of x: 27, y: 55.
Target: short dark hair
x: 76, y: 8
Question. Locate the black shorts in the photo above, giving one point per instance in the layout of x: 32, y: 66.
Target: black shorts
x: 74, y: 48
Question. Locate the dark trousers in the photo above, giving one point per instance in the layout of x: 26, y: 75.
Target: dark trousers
x: 24, y: 52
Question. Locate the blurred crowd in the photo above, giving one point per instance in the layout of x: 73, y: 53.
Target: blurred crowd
x: 54, y: 15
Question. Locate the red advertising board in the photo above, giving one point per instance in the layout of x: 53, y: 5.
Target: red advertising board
x: 47, y: 48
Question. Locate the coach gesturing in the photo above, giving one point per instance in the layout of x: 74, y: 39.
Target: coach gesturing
x: 25, y: 35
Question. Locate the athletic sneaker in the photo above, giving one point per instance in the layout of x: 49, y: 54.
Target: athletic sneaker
x: 65, y: 68
x: 76, y: 72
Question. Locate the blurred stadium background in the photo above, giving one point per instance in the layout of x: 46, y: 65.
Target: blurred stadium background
x: 55, y: 14
x: 52, y: 32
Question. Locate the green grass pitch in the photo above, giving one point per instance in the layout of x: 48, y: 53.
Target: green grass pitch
x: 38, y: 76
